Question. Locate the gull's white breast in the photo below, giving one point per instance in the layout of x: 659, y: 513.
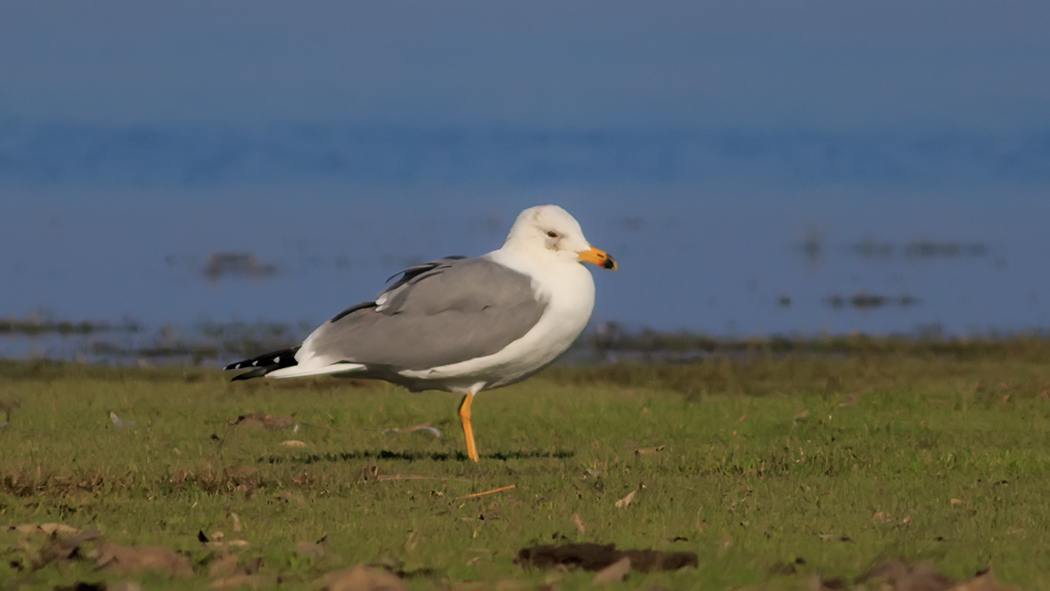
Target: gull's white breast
x: 568, y: 289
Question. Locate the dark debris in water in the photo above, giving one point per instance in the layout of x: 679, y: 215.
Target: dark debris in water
x: 39, y: 323
x: 208, y: 341
x: 867, y: 301
x: 212, y: 343
x: 925, y: 249
x: 610, y: 341
x: 223, y: 264
x: 195, y: 352
x: 595, y: 557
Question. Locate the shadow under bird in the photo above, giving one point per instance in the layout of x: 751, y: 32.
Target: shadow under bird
x: 460, y: 324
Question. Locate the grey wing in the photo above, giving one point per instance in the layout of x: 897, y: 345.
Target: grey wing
x: 438, y: 313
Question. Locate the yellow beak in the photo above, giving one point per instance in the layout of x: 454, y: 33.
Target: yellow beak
x: 598, y: 257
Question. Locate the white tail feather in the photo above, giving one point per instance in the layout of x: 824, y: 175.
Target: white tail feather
x: 297, y: 371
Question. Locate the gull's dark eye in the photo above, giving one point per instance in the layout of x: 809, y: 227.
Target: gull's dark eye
x: 552, y: 233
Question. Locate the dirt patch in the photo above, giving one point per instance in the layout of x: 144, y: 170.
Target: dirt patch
x: 897, y: 575
x: 139, y: 558
x: 595, y: 557
x: 88, y: 544
x: 362, y: 578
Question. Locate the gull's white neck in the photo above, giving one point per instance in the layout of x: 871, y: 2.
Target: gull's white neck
x: 563, y: 283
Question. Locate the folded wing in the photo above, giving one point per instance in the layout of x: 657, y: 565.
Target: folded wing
x: 435, y: 314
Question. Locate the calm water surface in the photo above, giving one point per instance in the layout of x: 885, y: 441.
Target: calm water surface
x: 727, y: 233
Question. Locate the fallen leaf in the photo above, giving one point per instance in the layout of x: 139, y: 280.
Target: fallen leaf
x: 578, y: 522
x: 622, y: 503
x: 882, y: 516
x: 427, y: 427
x: 237, y: 527
x: 835, y: 538
x: 293, y: 443
x: 411, y: 541
x: 361, y: 578
x: 955, y: 501
x: 120, y: 423
x: 614, y: 573
x: 649, y: 450
x: 486, y: 492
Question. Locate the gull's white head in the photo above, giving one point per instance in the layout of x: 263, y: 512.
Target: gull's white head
x: 549, y: 229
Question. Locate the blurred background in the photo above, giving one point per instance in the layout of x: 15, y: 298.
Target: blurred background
x: 196, y: 179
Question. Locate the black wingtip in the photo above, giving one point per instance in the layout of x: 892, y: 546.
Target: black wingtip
x: 255, y: 373
x: 263, y: 364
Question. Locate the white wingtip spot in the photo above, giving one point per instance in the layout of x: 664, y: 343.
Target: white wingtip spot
x: 277, y: 359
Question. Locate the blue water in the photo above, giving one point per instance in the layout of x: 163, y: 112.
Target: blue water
x: 725, y: 231
x: 191, y: 156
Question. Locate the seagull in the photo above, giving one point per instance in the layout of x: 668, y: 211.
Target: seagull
x: 460, y: 324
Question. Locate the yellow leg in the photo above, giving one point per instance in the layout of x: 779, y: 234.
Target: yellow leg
x: 468, y: 433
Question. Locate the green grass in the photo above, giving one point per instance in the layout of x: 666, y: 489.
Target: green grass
x: 941, y: 457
